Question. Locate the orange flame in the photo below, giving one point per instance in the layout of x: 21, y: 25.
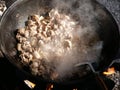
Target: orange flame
x: 49, y: 87
x: 109, y: 71
x: 29, y: 84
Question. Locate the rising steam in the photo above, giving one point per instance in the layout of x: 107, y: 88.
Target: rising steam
x: 74, y: 39
x: 86, y: 45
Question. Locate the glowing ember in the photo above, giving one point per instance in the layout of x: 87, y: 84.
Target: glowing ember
x: 49, y: 87
x: 29, y: 84
x: 109, y: 71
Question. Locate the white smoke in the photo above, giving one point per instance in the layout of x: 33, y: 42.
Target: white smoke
x: 82, y: 12
x: 75, y: 39
x: 82, y: 26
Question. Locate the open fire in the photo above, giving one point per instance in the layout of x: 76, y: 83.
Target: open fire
x: 112, y: 74
x: 109, y: 71
x: 49, y: 87
x: 29, y: 84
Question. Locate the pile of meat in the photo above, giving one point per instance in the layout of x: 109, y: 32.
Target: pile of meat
x: 53, y: 41
x: 42, y: 40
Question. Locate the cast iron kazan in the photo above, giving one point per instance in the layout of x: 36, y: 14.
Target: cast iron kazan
x: 17, y: 14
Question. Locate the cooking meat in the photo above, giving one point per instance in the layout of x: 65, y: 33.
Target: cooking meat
x: 46, y: 42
